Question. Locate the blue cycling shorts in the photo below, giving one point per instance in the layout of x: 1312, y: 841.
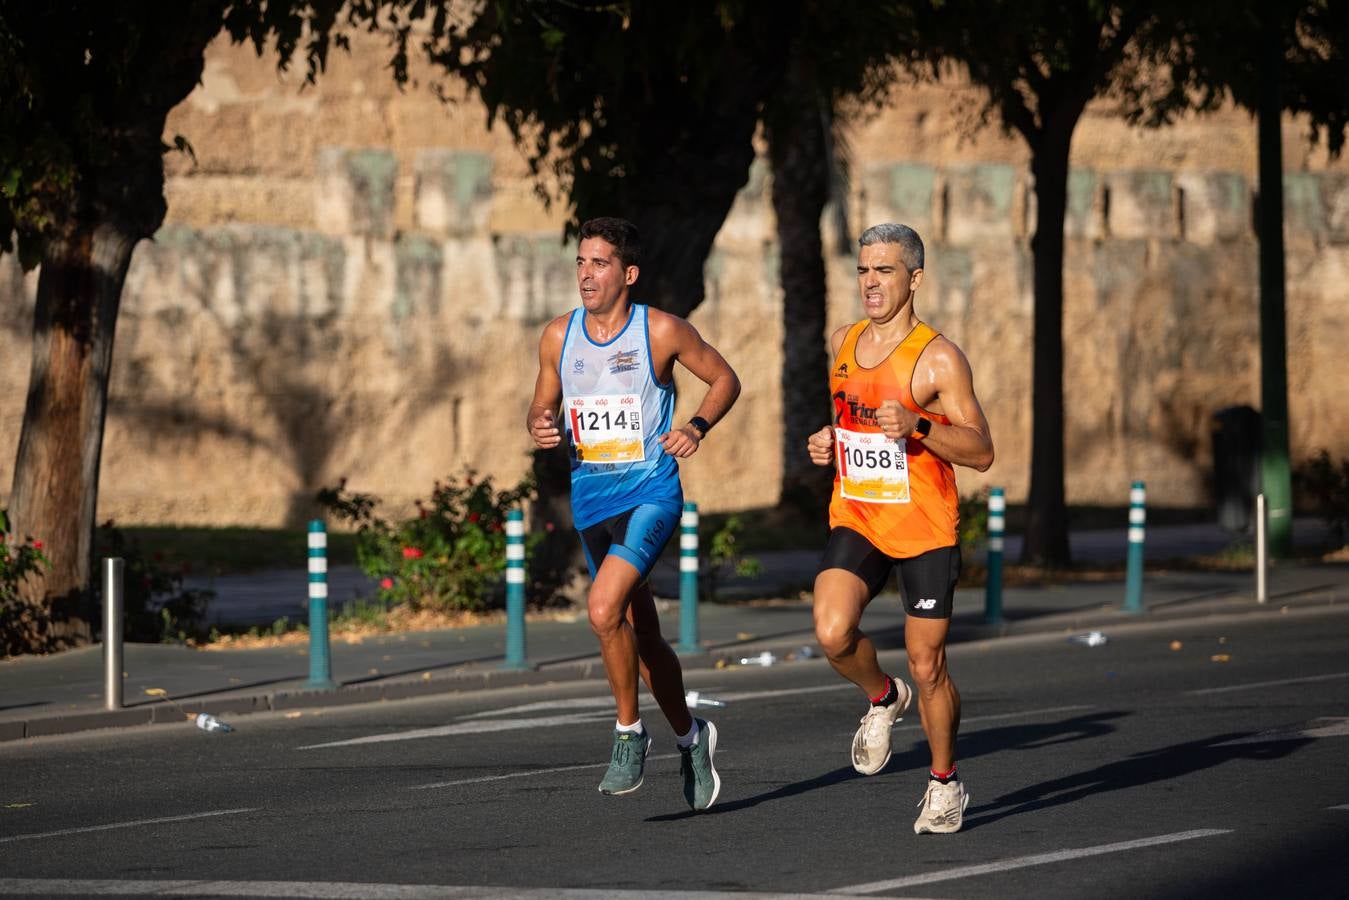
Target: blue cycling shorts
x: 637, y: 536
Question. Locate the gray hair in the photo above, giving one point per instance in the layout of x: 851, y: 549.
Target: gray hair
x: 910, y: 244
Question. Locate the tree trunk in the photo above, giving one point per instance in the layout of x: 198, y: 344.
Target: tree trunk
x: 798, y: 144
x: 55, y: 487
x: 1046, y: 535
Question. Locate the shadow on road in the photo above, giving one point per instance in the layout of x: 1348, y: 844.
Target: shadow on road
x: 1147, y: 768
x: 994, y: 740
x: 838, y: 776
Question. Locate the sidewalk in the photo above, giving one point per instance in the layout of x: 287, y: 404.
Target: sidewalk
x: 63, y: 692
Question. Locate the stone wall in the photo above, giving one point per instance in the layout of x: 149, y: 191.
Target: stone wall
x: 352, y: 282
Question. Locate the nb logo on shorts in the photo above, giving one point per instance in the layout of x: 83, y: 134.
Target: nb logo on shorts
x: 925, y: 604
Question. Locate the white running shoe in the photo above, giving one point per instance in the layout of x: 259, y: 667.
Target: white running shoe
x: 942, y: 809
x: 871, y: 744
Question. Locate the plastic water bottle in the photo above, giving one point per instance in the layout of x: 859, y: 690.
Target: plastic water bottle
x: 208, y: 722
x: 693, y: 700
x: 763, y: 659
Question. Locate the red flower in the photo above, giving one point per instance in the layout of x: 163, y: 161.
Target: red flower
x: 473, y: 517
x: 412, y: 553
x: 387, y: 584
x: 37, y: 545
x: 548, y: 526
x: 422, y: 514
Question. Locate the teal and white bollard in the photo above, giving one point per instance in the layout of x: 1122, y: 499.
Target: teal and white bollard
x: 515, y: 591
x: 688, y: 580
x: 320, y: 659
x: 997, y: 522
x: 1133, y: 580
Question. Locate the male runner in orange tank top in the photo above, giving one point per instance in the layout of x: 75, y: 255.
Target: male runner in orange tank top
x: 905, y: 414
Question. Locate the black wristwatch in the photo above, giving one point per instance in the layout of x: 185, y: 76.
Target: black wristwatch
x: 702, y: 425
x: 922, y: 429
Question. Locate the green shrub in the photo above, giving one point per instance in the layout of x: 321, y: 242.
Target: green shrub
x: 449, y: 557
x: 1327, y: 483
x: 156, y: 606
x: 725, y: 558
x: 973, y: 522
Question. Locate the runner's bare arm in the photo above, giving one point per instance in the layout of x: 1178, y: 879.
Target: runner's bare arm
x: 672, y: 338
x: 541, y: 420
x: 944, y: 375
x: 820, y: 445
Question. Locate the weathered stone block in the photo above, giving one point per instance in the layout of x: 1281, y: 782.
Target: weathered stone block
x: 1304, y: 211
x: 1335, y: 194
x: 355, y: 192
x: 1082, y: 215
x: 418, y: 265
x: 453, y: 191
x: 901, y: 192
x: 536, y: 277
x: 1215, y: 206
x: 1139, y: 205
x: 979, y: 203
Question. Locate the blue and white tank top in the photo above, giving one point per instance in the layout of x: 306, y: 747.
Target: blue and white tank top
x: 614, y: 410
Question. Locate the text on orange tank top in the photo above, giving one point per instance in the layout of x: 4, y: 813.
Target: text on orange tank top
x: 898, y: 495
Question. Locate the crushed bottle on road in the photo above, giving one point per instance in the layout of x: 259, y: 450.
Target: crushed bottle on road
x: 763, y: 659
x: 208, y: 722
x: 695, y: 699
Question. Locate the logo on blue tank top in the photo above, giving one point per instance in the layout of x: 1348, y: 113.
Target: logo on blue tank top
x: 623, y: 361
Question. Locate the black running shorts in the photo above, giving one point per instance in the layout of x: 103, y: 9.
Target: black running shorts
x: 928, y: 580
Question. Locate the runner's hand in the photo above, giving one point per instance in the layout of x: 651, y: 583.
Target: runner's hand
x: 544, y: 432
x: 896, y: 422
x: 681, y: 442
x: 820, y: 446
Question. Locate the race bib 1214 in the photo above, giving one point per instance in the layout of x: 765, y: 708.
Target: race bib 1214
x: 607, y: 428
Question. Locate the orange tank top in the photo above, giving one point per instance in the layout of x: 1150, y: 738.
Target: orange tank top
x: 899, y: 496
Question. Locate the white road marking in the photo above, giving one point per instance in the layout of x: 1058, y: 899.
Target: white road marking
x: 478, y: 727
x: 1023, y: 713
x: 475, y: 724
x: 1021, y: 862
x: 1330, y: 726
x: 485, y: 778
x: 1344, y: 806
x: 347, y: 890
x: 1255, y: 685
x: 607, y: 701
x: 133, y: 824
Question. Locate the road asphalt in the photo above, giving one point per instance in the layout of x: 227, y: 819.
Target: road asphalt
x: 63, y: 693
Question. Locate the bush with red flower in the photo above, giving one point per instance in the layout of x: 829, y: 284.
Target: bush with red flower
x: 20, y: 619
x: 449, y: 556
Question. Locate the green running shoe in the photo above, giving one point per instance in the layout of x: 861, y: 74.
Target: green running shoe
x: 702, y: 784
x: 626, y: 764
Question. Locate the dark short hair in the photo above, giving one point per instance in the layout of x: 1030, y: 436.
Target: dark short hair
x: 619, y: 232
x: 910, y: 244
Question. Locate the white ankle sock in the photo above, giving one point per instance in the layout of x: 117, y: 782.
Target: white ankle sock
x: 688, y: 740
x: 633, y: 728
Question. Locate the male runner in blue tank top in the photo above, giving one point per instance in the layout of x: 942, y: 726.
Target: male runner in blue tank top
x: 609, y: 367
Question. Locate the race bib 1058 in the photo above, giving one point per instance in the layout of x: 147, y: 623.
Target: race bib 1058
x: 607, y: 428
x: 871, y: 467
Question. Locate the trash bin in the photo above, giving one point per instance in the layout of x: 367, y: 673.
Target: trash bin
x: 1237, y: 438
